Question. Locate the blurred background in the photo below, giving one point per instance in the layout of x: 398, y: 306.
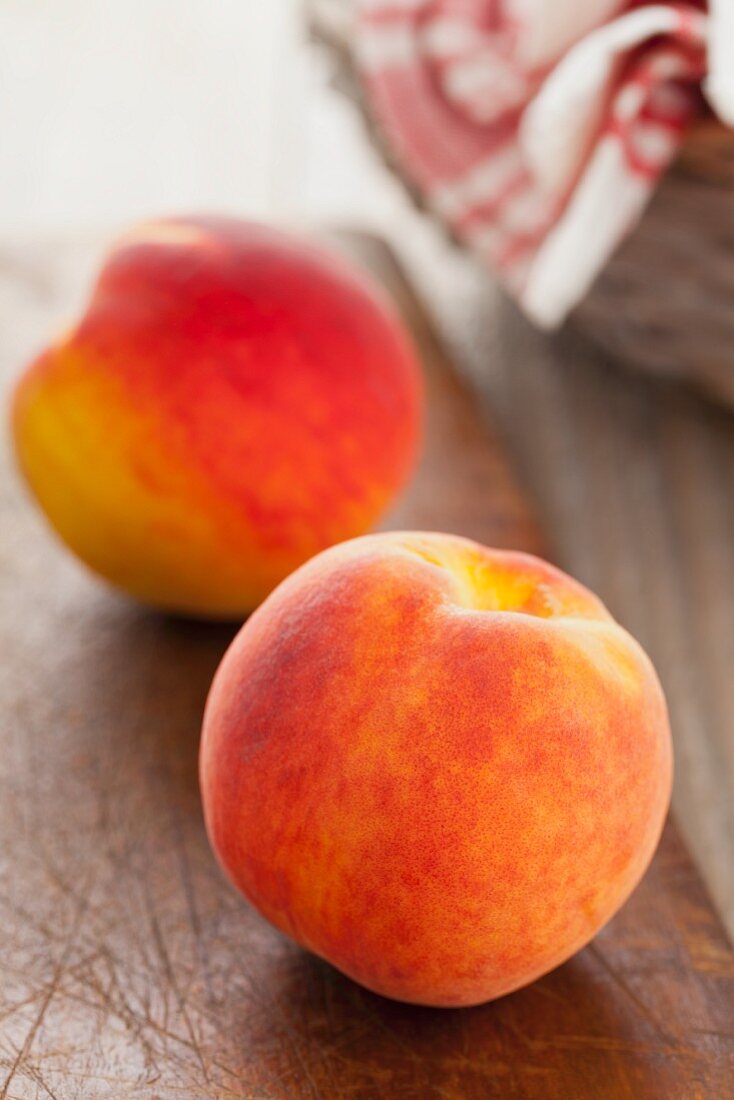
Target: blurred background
x: 112, y: 112
x: 122, y: 111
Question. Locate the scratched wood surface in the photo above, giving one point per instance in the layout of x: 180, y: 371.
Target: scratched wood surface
x: 128, y: 968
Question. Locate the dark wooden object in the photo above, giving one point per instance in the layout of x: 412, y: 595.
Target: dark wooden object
x: 128, y: 968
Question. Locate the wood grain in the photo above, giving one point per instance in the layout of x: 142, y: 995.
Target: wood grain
x: 129, y: 968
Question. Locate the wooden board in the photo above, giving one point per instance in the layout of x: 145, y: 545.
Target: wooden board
x: 128, y: 968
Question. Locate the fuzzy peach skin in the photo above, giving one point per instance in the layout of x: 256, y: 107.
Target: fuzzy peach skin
x: 234, y: 400
x: 441, y: 767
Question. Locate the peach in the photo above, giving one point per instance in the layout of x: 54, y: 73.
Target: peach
x: 440, y: 767
x: 234, y: 400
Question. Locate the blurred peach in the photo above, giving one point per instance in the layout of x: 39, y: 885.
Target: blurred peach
x: 234, y: 400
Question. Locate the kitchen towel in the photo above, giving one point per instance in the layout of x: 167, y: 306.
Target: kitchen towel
x: 537, y: 129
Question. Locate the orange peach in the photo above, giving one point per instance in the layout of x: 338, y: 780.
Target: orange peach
x: 440, y: 767
x: 234, y: 400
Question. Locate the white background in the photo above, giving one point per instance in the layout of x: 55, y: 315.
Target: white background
x: 113, y: 109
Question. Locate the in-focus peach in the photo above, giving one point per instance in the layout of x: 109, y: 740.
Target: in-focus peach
x: 441, y: 767
x: 234, y: 400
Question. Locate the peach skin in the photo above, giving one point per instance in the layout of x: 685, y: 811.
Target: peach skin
x: 234, y: 400
x: 440, y: 767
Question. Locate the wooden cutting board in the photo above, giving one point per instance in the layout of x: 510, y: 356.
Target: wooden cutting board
x: 129, y: 968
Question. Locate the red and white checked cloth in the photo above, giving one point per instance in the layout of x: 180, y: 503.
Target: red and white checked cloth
x: 538, y: 128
